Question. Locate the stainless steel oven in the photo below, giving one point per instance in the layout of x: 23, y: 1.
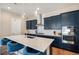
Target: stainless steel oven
x: 68, y: 35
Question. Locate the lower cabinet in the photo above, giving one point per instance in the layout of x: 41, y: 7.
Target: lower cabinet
x: 58, y: 51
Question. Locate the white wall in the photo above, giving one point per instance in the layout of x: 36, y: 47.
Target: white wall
x: 5, y: 22
x: 15, y: 26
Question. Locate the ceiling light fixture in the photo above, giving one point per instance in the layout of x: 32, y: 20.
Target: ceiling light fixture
x: 37, y: 11
x: 9, y: 8
x: 23, y: 15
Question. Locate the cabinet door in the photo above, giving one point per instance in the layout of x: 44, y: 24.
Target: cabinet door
x: 16, y: 26
x: 77, y: 19
x: 53, y: 22
x: 48, y: 23
x: 58, y: 22
x: 57, y: 42
x: 34, y: 23
x: 31, y: 24
x: 77, y: 39
x: 69, y: 18
x: 27, y: 24
x: 77, y: 31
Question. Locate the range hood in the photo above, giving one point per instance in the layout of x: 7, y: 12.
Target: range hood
x: 40, y: 22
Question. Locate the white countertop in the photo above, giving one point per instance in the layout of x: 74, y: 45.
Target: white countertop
x: 37, y: 43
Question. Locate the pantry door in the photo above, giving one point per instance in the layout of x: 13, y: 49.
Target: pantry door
x: 16, y: 26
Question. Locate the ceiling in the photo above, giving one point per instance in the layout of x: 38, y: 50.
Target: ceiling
x: 30, y: 8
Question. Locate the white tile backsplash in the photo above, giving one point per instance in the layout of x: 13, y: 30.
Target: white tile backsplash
x: 50, y: 32
x: 31, y: 31
x: 46, y: 32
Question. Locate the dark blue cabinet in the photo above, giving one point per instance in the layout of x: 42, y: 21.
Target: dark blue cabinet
x: 58, y: 24
x: 72, y: 19
x: 31, y: 24
x: 57, y: 42
x: 48, y: 23
x: 77, y: 20
x: 27, y: 24
x: 77, y: 38
x: 53, y: 22
x: 69, y: 18
x: 77, y: 30
x: 64, y: 19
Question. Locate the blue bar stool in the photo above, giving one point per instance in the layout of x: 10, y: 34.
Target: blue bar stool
x: 31, y: 51
x: 4, y: 41
x: 3, y: 45
x: 13, y: 47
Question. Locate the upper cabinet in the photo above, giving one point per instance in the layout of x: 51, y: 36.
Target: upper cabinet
x: 57, y: 21
x: 31, y: 24
x: 69, y: 18
x: 53, y: 22
x: 65, y: 19
x: 27, y: 24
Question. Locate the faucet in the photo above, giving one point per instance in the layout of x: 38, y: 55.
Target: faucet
x: 36, y: 31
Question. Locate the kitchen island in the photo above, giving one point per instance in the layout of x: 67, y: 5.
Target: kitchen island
x: 38, y: 43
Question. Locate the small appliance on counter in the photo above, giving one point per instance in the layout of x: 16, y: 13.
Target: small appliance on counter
x: 56, y: 33
x: 25, y: 35
x: 68, y: 34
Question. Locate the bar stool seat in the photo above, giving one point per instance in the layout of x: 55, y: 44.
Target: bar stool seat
x: 3, y: 45
x: 31, y: 51
x: 13, y: 47
x: 4, y: 41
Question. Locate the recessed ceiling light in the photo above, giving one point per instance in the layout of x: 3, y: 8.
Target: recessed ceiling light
x: 36, y: 13
x: 23, y: 15
x: 9, y: 7
x: 37, y: 9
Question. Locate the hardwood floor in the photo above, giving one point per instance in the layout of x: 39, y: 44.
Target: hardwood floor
x: 58, y: 51
x: 55, y: 51
x: 4, y: 50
